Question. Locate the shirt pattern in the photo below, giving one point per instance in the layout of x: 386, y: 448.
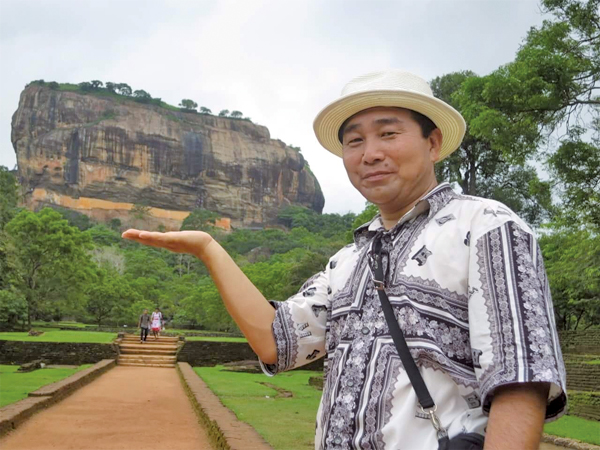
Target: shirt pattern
x: 466, y: 282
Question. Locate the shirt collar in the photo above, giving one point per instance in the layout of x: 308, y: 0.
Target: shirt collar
x: 433, y: 201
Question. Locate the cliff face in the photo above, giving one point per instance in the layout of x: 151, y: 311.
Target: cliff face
x: 101, y: 155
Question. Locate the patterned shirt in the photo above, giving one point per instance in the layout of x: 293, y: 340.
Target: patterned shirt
x: 467, y: 284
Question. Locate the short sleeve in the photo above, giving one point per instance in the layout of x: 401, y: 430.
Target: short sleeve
x: 512, y: 328
x: 299, y: 326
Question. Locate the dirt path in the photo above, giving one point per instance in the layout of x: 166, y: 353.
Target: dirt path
x: 128, y: 408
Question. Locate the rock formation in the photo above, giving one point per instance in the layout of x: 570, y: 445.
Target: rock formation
x: 103, y: 154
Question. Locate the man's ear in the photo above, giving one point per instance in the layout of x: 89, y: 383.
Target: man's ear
x: 435, y: 144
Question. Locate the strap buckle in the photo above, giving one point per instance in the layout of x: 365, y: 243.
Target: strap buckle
x: 379, y: 285
x: 435, y: 421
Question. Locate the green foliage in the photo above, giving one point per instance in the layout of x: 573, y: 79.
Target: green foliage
x: 482, y: 170
x: 142, y: 96
x: 46, y: 260
x: 551, y: 87
x: 123, y: 89
x: 8, y: 196
x: 236, y: 114
x: 13, y: 307
x: 188, y: 105
x: 572, y: 259
x: 205, y: 110
x: 201, y: 220
x: 224, y: 113
x: 109, y: 292
x: 75, y: 219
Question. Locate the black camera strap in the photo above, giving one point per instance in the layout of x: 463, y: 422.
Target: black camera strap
x: 426, y: 403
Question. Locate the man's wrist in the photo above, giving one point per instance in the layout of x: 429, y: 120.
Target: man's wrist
x: 205, y: 252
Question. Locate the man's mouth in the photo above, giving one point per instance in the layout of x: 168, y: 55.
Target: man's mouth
x: 375, y: 176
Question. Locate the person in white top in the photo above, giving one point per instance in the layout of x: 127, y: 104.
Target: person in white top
x: 464, y: 277
x: 156, y: 322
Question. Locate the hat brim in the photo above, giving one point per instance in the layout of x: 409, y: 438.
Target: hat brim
x: 446, y: 118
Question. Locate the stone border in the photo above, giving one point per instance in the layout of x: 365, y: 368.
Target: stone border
x: 568, y: 443
x: 224, y: 429
x: 14, y: 414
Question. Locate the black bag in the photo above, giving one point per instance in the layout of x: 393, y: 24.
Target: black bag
x: 465, y: 441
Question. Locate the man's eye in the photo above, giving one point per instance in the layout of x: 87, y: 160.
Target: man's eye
x: 388, y: 133
x: 354, y: 141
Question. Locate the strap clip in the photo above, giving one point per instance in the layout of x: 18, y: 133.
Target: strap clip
x: 435, y: 421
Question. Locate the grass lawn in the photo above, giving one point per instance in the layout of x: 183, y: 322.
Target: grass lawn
x: 215, y: 339
x: 284, y: 422
x: 575, y: 428
x: 15, y: 386
x: 37, y: 325
x: 51, y: 335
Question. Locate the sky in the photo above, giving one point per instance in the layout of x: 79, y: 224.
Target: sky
x: 278, y: 61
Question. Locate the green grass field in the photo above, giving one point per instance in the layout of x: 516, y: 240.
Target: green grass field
x: 70, y: 324
x: 284, y: 422
x: 16, y: 386
x: 289, y: 422
x: 215, y: 339
x: 575, y: 428
x: 52, y: 335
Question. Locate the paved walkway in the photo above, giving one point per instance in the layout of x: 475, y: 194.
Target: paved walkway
x: 127, y: 408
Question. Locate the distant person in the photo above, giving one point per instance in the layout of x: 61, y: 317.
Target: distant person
x: 441, y: 297
x: 156, y: 322
x: 144, y: 325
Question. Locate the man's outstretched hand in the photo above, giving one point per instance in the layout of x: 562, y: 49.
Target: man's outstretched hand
x: 192, y: 242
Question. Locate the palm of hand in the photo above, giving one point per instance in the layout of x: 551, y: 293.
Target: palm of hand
x: 193, y: 242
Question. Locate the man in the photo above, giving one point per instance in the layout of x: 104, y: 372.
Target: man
x: 464, y: 276
x: 144, y: 325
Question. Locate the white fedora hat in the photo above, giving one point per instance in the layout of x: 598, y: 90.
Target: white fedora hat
x: 392, y: 88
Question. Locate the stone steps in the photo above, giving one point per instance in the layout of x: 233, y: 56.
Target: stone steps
x: 146, y: 365
x: 152, y: 341
x: 151, y: 353
x: 148, y: 358
x: 151, y: 346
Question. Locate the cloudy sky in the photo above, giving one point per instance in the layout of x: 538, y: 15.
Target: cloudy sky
x: 277, y: 61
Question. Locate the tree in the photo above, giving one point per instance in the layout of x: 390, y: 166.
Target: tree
x: 47, y: 260
x: 236, y: 114
x: 96, y: 84
x: 108, y: 293
x: 545, y: 98
x: 200, y: 219
x: 481, y: 170
x: 8, y: 196
x: 123, y: 89
x: 188, y: 105
x: 142, y: 96
x: 85, y: 86
x: 13, y: 307
x: 572, y: 259
x: 110, y: 86
x: 224, y: 113
x: 205, y: 110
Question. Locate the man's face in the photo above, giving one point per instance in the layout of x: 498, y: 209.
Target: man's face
x: 387, y: 158
x: 145, y: 311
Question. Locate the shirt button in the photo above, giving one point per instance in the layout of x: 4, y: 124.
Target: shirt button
x: 350, y: 383
x: 365, y: 330
x: 337, y: 441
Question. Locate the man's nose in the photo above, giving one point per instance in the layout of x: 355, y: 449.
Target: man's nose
x: 373, y: 151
